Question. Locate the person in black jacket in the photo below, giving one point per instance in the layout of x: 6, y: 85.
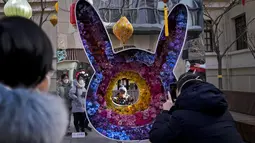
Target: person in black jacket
x: 199, y: 115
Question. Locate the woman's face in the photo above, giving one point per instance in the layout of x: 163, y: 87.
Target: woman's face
x: 81, y: 80
x: 66, y: 79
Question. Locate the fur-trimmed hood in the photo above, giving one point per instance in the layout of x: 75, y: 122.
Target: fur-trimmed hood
x: 30, y: 117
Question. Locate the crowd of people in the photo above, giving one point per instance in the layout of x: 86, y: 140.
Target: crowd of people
x: 30, y: 115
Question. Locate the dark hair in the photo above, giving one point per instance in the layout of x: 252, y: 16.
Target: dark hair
x: 187, y: 79
x: 26, y: 52
x: 63, y: 76
x: 80, y: 75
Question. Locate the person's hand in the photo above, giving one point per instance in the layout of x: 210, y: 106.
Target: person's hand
x: 169, y: 103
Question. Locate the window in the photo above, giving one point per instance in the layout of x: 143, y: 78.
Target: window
x: 136, y: 11
x: 146, y: 15
x: 208, y: 36
x: 104, y: 14
x: 110, y: 11
x: 240, y: 26
x: 160, y: 9
x: 131, y: 14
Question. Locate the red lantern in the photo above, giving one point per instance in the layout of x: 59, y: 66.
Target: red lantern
x: 243, y: 2
x: 72, y: 14
x: 165, y: 1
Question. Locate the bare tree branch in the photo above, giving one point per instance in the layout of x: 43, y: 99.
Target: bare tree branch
x: 42, y: 17
x: 219, y: 34
x: 216, y: 32
x: 227, y: 9
x: 242, y: 34
x: 42, y: 13
x: 253, y: 44
x: 46, y: 18
x: 207, y: 13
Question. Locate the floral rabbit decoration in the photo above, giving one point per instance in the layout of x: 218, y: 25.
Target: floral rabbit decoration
x: 152, y: 72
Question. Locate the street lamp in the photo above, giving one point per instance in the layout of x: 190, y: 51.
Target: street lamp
x: 18, y: 8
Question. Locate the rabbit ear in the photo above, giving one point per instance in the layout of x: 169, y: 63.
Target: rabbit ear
x: 171, y: 47
x: 95, y: 39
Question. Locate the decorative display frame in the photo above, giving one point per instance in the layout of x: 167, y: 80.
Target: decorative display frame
x: 152, y: 71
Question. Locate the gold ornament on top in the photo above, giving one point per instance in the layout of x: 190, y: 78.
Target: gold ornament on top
x: 123, y: 29
x: 18, y: 8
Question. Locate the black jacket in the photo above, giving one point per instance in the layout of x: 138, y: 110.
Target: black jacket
x: 199, y: 115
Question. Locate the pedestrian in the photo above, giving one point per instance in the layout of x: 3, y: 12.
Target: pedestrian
x: 28, y: 116
x: 77, y: 93
x: 25, y: 53
x: 198, y: 69
x: 122, y: 97
x: 199, y: 115
x: 63, y: 91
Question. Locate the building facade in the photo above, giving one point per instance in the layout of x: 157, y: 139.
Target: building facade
x: 146, y: 17
x: 239, y: 61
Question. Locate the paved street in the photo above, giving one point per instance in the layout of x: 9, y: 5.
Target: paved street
x: 93, y: 137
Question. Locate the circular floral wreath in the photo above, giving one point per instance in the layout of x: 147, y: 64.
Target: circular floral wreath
x: 143, y: 101
x: 140, y: 113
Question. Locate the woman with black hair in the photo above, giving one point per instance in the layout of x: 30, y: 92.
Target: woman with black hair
x: 199, y: 115
x: 26, y: 57
x: 77, y: 94
x: 26, y: 54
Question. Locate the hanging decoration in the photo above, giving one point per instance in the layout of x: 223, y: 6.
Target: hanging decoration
x: 243, y: 2
x: 18, y: 8
x: 61, y: 55
x: 166, y: 18
x: 123, y: 29
x: 54, y: 20
x: 56, y: 6
x: 72, y: 14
